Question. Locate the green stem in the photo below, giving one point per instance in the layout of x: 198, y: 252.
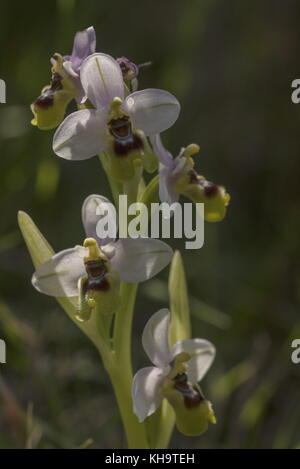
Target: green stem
x: 131, y: 187
x: 135, y: 431
x: 121, y: 371
x: 123, y: 323
x: 115, y: 186
x: 118, y: 364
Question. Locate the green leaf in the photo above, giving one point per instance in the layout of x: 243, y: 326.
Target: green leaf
x: 40, y: 252
x: 179, y: 303
x: 160, y: 427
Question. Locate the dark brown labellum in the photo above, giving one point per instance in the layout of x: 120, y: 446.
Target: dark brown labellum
x: 46, y: 99
x: 96, y: 271
x: 124, y: 139
x: 210, y: 189
x: 191, y: 393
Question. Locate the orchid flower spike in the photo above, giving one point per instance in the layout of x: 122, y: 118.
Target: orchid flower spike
x: 178, y: 176
x: 50, y: 107
x: 118, y: 124
x: 92, y: 272
x: 174, y: 376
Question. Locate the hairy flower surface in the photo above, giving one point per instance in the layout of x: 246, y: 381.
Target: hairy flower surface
x: 178, y: 176
x: 111, y: 125
x: 174, y: 376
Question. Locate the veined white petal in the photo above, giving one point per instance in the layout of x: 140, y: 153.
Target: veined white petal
x: 167, y: 191
x: 163, y: 154
x: 155, y: 338
x: 84, y: 45
x: 202, y: 355
x: 91, y: 214
x: 81, y: 135
x: 146, y: 395
x: 102, y: 79
x: 59, y: 276
x: 152, y: 110
x: 139, y: 259
x: 179, y: 164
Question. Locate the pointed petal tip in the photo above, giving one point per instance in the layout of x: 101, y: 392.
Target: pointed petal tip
x: 21, y: 214
x: 23, y: 218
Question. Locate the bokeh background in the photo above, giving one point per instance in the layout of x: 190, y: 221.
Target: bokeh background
x: 231, y: 65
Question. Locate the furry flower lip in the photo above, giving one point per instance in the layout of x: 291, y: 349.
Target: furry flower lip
x: 86, y: 132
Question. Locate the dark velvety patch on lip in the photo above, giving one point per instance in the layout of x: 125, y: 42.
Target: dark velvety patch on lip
x: 122, y: 148
x: 46, y: 99
x: 120, y: 128
x: 96, y: 285
x: 191, y: 394
x: 210, y: 189
x: 125, y: 140
x: 96, y: 271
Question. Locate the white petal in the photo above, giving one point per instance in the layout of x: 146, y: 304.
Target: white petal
x: 102, y: 79
x: 152, y: 110
x: 59, y: 276
x: 108, y: 249
x: 91, y: 216
x: 81, y: 135
x: 84, y: 44
x: 167, y: 191
x: 155, y: 338
x: 202, y: 352
x: 163, y: 154
x: 139, y: 259
x: 146, y: 395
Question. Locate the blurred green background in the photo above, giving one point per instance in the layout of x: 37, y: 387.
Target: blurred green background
x: 231, y: 64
